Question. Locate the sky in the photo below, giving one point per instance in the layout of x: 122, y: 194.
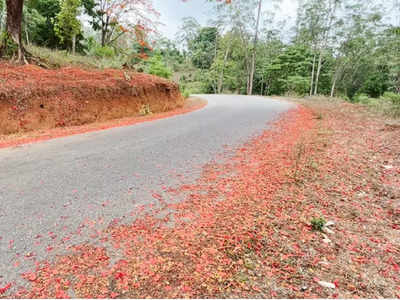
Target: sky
x: 173, y: 11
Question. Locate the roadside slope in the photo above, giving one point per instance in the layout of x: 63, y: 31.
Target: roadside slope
x: 33, y: 98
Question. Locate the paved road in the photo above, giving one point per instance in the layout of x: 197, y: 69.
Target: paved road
x: 47, y: 189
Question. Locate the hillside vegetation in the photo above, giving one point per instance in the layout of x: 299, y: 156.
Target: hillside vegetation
x: 347, y: 49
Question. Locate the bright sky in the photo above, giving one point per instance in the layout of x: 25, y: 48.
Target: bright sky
x: 173, y: 11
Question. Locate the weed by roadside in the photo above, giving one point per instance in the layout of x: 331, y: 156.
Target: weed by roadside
x: 61, y: 58
x: 318, y: 224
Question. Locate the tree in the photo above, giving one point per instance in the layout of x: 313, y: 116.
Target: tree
x: 239, y: 16
x: 13, y: 34
x: 254, y: 51
x: 157, y: 67
x: 316, y: 21
x: 203, y: 47
x: 67, y: 26
x: 2, y: 15
x: 113, y: 18
x: 32, y: 20
x: 44, y: 32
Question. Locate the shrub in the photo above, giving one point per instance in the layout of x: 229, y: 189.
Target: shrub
x: 7, y: 46
x: 393, y: 97
x: 318, y: 223
x: 298, y: 84
x: 105, y: 51
x: 186, y: 94
x: 362, y: 98
x: 158, y: 68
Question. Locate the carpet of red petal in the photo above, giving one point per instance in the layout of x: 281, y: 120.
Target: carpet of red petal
x: 244, y: 229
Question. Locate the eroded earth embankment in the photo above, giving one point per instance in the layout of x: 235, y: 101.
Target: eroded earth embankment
x: 32, y: 98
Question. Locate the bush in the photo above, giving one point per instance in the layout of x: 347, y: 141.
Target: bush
x: 7, y: 47
x: 186, y: 94
x: 318, y: 224
x: 298, y: 84
x: 362, y: 98
x: 105, y: 51
x: 184, y: 91
x: 158, y: 68
x: 393, y: 97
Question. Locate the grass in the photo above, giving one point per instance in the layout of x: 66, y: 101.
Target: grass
x: 62, y: 58
x: 387, y: 105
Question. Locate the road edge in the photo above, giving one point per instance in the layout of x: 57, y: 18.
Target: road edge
x: 193, y: 104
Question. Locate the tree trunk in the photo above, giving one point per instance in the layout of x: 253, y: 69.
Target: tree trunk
x: 253, y: 58
x: 312, y: 76
x: 333, y: 86
x: 27, y: 35
x: 103, y: 37
x: 14, y: 26
x: 104, y: 32
x: 221, y: 75
x: 318, y: 73
x: 73, y: 44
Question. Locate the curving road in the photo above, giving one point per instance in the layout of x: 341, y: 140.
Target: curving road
x: 47, y: 189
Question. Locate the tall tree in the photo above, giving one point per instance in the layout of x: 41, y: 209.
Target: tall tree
x: 239, y: 17
x: 14, y: 29
x: 254, y: 51
x: 67, y: 26
x: 113, y: 18
x: 44, y: 32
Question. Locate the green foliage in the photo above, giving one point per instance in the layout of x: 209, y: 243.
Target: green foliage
x: 393, y: 97
x: 186, y: 94
x: 318, y: 224
x: 157, y: 67
x: 202, y: 47
x: 32, y: 21
x: 2, y: 14
x: 7, y: 45
x: 43, y: 33
x: 361, y: 98
x: 95, y: 49
x: 104, y: 51
x: 61, y: 58
x: 376, y: 83
x: 388, y: 104
x: 298, y: 85
x: 67, y: 26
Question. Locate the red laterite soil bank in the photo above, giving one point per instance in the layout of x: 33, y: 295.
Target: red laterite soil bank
x: 6, y: 141
x: 32, y: 98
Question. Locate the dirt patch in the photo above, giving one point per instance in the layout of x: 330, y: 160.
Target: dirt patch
x: 32, y: 98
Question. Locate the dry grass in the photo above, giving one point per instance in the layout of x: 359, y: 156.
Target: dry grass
x: 354, y: 180
x: 61, y: 58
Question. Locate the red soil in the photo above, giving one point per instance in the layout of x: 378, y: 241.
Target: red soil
x: 32, y: 98
x: 44, y: 135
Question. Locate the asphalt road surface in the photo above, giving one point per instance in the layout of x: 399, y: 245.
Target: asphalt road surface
x: 48, y: 189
